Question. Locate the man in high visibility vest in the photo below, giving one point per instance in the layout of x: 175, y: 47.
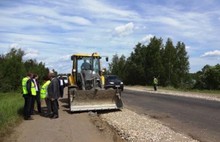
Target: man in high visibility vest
x: 37, y: 97
x: 155, y: 83
x: 44, y: 95
x: 27, y: 92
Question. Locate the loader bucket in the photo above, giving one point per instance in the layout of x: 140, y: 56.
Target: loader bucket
x: 85, y: 100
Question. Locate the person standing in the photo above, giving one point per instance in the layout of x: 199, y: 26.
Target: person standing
x: 37, y: 97
x: 27, y: 97
x: 62, y: 85
x: 32, y: 91
x: 155, y: 83
x: 44, y: 95
x: 54, y: 94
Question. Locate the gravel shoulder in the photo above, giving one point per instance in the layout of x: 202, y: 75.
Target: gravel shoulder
x: 133, y: 127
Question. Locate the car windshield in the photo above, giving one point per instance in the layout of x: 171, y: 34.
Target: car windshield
x: 113, y: 77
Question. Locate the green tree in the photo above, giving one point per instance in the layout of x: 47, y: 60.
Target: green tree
x: 117, y: 66
x: 113, y: 66
x: 13, y: 69
x: 37, y: 68
x: 134, y: 73
x: 169, y: 64
x: 152, y: 59
x: 208, y: 78
x: 169, y: 58
x: 181, y: 66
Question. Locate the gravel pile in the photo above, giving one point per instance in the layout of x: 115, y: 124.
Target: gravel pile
x: 133, y: 127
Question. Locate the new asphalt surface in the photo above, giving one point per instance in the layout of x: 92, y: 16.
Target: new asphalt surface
x: 198, y: 118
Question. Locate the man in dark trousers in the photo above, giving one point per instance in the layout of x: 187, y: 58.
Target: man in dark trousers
x: 54, y: 94
x: 32, y: 91
x: 62, y: 85
x: 155, y: 83
x: 26, y: 89
x: 37, y: 97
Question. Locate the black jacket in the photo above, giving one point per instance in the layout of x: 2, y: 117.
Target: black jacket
x: 29, y: 86
x: 54, y: 89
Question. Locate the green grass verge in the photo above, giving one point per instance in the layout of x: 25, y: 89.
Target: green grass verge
x: 11, y: 109
x: 193, y: 91
x: 214, y: 92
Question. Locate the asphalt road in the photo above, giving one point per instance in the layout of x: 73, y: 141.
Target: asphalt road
x: 197, y: 118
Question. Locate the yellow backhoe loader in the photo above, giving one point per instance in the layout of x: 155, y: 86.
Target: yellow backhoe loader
x: 86, y: 90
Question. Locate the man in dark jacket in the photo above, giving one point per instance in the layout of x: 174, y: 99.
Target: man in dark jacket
x: 37, y: 97
x: 54, y: 94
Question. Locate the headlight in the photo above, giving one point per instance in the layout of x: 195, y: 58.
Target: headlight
x: 122, y: 83
x: 111, y: 82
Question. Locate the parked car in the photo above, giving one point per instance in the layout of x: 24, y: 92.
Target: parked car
x: 113, y: 81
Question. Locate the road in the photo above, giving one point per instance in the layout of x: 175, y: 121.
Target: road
x: 197, y: 118
x: 69, y: 127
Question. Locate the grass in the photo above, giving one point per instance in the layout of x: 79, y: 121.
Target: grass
x: 193, y: 91
x: 11, y: 109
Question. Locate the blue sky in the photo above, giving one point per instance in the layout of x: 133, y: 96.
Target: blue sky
x: 51, y: 31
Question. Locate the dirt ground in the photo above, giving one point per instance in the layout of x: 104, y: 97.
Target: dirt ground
x: 69, y: 127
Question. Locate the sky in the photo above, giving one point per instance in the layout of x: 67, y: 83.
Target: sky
x: 50, y: 31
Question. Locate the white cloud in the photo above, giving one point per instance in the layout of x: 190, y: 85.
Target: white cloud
x: 31, y: 53
x: 124, y: 29
x: 146, y: 39
x: 188, y: 47
x: 214, y: 53
x: 39, y: 16
x: 169, y: 21
x: 65, y: 57
x: 15, y: 45
x: 56, y: 28
x: 105, y: 9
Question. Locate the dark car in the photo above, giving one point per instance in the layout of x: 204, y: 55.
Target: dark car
x: 113, y: 81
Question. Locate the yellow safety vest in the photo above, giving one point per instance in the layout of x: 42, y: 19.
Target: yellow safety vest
x: 43, y: 91
x: 24, y: 85
x: 155, y: 81
x: 103, y: 80
x: 71, y: 80
x: 33, y: 89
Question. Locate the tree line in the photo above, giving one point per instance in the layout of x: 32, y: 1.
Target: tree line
x: 13, y: 68
x: 169, y: 63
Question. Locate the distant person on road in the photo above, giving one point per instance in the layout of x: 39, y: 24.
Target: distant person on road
x: 44, y: 95
x: 26, y: 91
x: 155, y: 83
x: 85, y: 65
x: 54, y: 94
x: 37, y: 97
